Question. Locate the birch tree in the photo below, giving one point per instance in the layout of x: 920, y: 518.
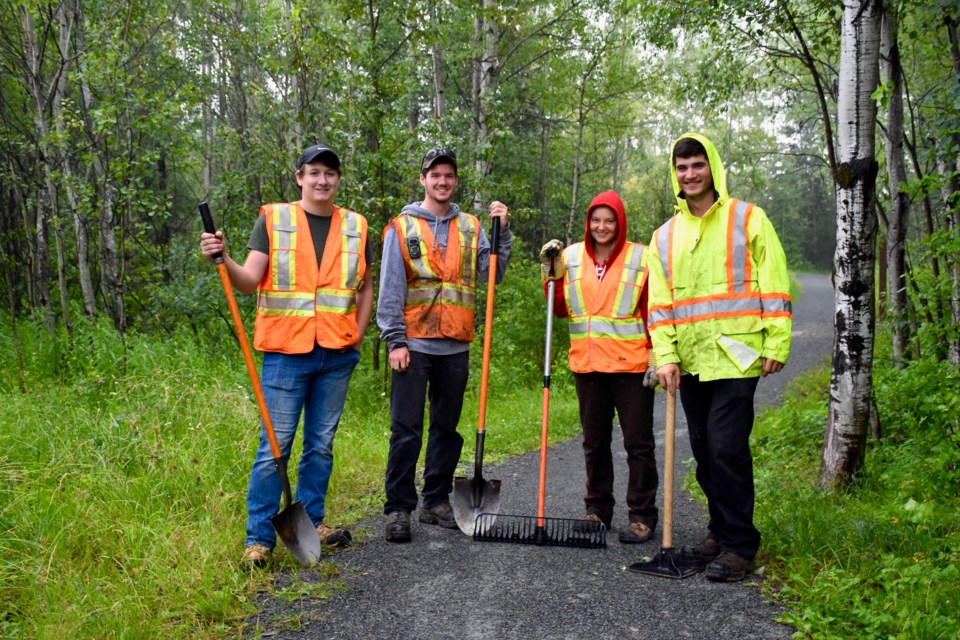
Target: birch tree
x: 851, y: 381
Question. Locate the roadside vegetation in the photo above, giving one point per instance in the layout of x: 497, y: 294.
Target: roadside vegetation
x: 881, y: 559
x: 124, y: 465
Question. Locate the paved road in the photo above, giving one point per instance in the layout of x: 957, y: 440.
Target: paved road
x: 444, y: 585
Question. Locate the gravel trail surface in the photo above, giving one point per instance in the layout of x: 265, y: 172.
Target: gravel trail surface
x: 444, y: 585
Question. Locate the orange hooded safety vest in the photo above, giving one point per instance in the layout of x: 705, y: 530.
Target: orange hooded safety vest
x: 607, y: 333
x: 300, y: 303
x: 441, y: 291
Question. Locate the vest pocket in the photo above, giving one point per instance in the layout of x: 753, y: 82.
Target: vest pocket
x: 742, y: 348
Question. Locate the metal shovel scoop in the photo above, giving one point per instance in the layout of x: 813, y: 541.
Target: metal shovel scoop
x: 292, y: 523
x: 473, y: 496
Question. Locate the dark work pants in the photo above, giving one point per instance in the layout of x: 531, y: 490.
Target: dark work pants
x: 445, y: 379
x: 720, y: 419
x: 599, y: 395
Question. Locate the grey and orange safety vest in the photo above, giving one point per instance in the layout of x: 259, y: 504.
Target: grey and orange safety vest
x: 301, y: 303
x: 441, y: 289
x: 607, y: 333
x: 719, y: 292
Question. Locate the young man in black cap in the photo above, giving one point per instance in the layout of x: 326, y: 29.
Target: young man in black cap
x: 309, y: 262
x: 433, y: 254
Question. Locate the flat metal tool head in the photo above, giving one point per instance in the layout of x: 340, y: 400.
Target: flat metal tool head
x: 668, y: 564
x: 297, y: 532
x: 471, y: 497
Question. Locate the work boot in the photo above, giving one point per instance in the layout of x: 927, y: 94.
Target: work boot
x: 635, y: 532
x: 334, y: 538
x: 441, y: 514
x: 729, y: 567
x: 398, y: 527
x: 257, y: 556
x: 704, y: 551
x: 590, y: 523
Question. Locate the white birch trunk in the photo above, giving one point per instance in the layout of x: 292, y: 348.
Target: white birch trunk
x: 487, y: 65
x: 851, y: 381
x: 899, y: 202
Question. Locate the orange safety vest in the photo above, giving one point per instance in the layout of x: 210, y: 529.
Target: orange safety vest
x: 300, y: 304
x: 441, y: 291
x: 607, y: 333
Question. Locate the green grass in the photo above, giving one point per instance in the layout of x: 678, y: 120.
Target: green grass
x: 123, y: 472
x: 879, y: 560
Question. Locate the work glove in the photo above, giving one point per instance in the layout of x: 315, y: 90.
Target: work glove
x: 650, y: 380
x: 551, y: 253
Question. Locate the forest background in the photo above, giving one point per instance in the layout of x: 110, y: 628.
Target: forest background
x: 117, y: 118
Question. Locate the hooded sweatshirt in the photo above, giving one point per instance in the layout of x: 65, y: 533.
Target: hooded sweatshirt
x: 393, y: 281
x: 714, y: 314
x: 606, y: 199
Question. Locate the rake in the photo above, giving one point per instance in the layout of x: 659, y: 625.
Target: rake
x: 540, y: 530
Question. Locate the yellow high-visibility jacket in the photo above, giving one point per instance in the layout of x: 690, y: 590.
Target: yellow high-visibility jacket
x: 719, y: 292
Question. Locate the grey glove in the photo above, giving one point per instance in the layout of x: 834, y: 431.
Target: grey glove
x: 551, y: 254
x: 650, y: 380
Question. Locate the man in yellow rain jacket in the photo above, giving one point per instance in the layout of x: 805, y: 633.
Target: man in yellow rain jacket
x: 720, y: 318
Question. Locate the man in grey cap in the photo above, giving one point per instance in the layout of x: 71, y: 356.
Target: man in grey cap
x: 433, y: 255
x: 309, y: 262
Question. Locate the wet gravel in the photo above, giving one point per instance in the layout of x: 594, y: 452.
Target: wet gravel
x: 445, y: 585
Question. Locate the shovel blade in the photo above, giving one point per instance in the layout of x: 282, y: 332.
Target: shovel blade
x: 668, y: 564
x: 471, y: 497
x: 295, y: 528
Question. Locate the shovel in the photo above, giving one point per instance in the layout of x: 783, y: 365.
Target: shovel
x: 473, y: 496
x: 668, y: 563
x: 540, y: 530
x: 292, y: 523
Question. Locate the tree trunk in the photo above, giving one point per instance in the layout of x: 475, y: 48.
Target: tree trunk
x: 952, y: 200
x: 851, y: 381
x: 486, y: 67
x: 899, y: 201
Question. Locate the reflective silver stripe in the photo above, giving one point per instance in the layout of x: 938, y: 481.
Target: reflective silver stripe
x: 350, y: 248
x: 573, y: 259
x: 624, y: 304
x: 595, y: 327
x: 419, y: 296
x: 663, y: 248
x: 774, y: 305
x: 277, y: 303
x: 715, y: 307
x: 660, y: 316
x: 284, y: 231
x: 739, y: 257
x: 411, y: 230
x: 334, y: 301
x: 468, y: 236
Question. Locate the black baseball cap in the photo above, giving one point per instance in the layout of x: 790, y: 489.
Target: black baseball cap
x: 319, y: 152
x: 434, y: 156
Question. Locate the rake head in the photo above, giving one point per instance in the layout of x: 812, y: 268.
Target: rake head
x: 555, y: 532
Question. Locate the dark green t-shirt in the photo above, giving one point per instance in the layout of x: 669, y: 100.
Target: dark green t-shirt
x: 319, y: 230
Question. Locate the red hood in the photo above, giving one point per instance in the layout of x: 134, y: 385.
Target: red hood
x: 607, y: 199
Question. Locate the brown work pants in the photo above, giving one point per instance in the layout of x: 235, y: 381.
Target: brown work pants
x: 600, y: 395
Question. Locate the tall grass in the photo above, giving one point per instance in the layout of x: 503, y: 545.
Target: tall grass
x: 123, y: 473
x: 881, y: 559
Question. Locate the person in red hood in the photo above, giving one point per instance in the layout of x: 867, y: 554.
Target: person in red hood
x: 604, y: 294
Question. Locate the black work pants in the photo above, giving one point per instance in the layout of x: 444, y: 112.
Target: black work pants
x: 599, y: 395
x: 720, y: 418
x: 444, y: 378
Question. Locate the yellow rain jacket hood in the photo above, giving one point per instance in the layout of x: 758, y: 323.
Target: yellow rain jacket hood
x: 719, y: 288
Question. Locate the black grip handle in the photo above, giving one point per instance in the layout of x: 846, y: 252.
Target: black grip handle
x: 495, y: 236
x: 208, y: 226
x: 552, y: 252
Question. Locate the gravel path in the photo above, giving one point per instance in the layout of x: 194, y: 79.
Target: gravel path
x: 444, y: 585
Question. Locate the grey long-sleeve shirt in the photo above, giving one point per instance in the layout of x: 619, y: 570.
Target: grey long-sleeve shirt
x: 393, y: 282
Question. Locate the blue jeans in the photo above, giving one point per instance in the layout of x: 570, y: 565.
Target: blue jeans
x: 315, y: 384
